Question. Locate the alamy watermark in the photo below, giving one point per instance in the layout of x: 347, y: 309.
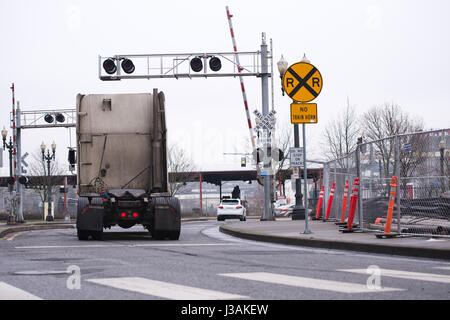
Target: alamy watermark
x: 74, y: 280
x: 374, y: 280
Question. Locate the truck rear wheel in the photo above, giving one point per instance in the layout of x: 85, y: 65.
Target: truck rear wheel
x: 83, y: 234
x: 89, y: 221
x: 166, y: 218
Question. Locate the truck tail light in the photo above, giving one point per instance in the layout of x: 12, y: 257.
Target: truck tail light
x: 135, y: 215
x: 123, y: 214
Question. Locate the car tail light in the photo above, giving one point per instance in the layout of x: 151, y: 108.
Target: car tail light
x: 284, y: 210
x: 123, y: 214
x: 239, y: 207
x: 220, y: 207
x: 135, y: 215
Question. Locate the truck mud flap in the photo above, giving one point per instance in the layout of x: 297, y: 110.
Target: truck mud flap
x: 90, y: 216
x: 167, y: 218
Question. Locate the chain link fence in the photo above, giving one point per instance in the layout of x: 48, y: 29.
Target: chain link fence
x: 420, y: 161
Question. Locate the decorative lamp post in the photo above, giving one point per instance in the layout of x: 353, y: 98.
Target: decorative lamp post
x: 11, y: 180
x: 282, y: 67
x: 48, y: 158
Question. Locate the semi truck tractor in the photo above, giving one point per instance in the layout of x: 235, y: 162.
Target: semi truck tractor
x: 122, y: 165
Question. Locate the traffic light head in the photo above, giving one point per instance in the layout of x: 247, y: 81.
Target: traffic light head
x: 48, y: 118
x: 243, y: 162
x: 110, y: 66
x: 215, y: 64
x: 23, y: 180
x: 128, y: 66
x: 72, y: 159
x: 59, y: 117
x: 196, y: 64
x: 11, y: 180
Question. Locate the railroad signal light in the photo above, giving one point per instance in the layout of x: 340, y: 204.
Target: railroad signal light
x: 277, y: 154
x: 110, y: 66
x: 60, y: 117
x: 23, y: 180
x: 127, y: 66
x: 215, y: 64
x: 196, y: 64
x: 48, y: 118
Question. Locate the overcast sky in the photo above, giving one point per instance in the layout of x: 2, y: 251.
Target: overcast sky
x: 369, y: 51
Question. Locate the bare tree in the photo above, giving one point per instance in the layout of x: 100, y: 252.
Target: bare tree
x: 341, y: 133
x: 388, y: 120
x: 181, y: 167
x: 37, y: 172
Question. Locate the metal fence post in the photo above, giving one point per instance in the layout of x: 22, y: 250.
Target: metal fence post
x: 397, y: 173
x: 358, y: 174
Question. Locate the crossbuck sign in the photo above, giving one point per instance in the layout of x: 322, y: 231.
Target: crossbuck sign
x: 264, y: 121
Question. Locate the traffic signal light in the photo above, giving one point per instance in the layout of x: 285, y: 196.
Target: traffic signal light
x: 23, y: 180
x: 59, y: 117
x: 72, y: 159
x: 243, y: 162
x: 196, y: 64
x: 11, y: 180
x: 215, y: 64
x: 128, y: 66
x: 277, y: 154
x: 110, y: 66
x: 258, y: 154
x: 48, y: 118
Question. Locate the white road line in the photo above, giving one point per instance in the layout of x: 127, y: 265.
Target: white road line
x: 441, y: 278
x: 129, y: 245
x: 165, y: 289
x: 8, y: 292
x: 294, y: 281
x: 443, y: 268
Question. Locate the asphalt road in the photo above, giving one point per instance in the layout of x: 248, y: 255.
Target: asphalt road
x: 204, y: 264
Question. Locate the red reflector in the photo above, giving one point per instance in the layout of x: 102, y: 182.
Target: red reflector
x: 239, y: 207
x: 135, y: 215
x: 123, y: 214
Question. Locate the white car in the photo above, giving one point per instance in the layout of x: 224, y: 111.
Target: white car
x: 284, y: 211
x: 231, y: 209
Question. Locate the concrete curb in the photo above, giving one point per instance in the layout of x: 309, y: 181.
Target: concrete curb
x: 34, y: 227
x: 339, y: 245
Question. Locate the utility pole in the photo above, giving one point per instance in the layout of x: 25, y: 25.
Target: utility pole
x: 265, y: 110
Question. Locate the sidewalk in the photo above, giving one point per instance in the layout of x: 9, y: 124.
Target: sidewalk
x: 326, y: 235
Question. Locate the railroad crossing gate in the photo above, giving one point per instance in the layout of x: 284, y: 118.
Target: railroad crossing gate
x: 302, y: 82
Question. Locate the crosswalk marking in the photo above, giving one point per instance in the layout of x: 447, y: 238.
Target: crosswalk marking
x: 343, y: 287
x: 8, y: 292
x: 441, y: 278
x: 165, y: 289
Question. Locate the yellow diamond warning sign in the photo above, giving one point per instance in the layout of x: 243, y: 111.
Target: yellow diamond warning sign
x: 302, y: 82
x: 303, y: 113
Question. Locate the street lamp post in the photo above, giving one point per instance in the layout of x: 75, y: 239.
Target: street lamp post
x: 10, y: 147
x: 299, y: 210
x: 49, y: 157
